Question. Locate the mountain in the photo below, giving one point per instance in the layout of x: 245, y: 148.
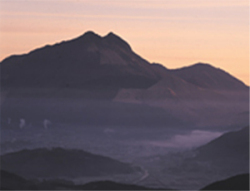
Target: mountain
x: 10, y: 181
x: 221, y: 158
x: 59, y: 78
x: 58, y: 162
x: 239, y: 182
x: 218, y: 100
x: 229, y: 147
x: 89, y: 61
x: 110, y: 185
x: 92, y: 61
x: 169, y: 87
x: 209, y: 77
x: 229, y: 153
x: 199, y: 81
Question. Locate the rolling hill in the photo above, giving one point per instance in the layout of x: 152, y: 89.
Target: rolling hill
x: 230, y: 150
x: 61, y: 163
x: 238, y: 182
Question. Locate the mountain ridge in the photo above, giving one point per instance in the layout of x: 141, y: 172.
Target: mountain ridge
x: 61, y: 162
x: 207, y: 76
x: 86, y: 59
x: 105, y: 56
x: 106, y: 68
x: 230, y: 144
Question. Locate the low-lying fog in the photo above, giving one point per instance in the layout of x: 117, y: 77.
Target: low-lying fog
x: 122, y: 143
x: 141, y: 147
x: 188, y: 140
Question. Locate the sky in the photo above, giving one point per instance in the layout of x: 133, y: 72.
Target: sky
x: 175, y: 33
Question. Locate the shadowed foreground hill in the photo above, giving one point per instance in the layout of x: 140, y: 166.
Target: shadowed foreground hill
x: 10, y: 181
x: 61, y: 163
x: 223, y: 157
x: 109, y: 185
x: 239, y: 182
x: 231, y: 148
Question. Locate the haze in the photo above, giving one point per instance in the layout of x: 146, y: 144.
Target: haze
x: 174, y: 33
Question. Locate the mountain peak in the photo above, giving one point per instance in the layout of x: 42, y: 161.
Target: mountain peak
x: 114, y: 39
x: 111, y: 34
x: 89, y: 36
x: 111, y: 39
x: 90, y: 33
x: 202, y: 65
x: 207, y: 76
x: 198, y: 65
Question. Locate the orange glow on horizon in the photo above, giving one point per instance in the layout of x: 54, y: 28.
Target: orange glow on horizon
x: 169, y: 32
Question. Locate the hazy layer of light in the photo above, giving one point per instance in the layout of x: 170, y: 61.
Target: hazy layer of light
x: 174, y: 33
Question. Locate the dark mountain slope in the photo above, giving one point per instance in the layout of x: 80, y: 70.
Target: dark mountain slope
x: 230, y: 146
x: 200, y: 81
x: 106, y: 63
x: 239, y: 182
x: 227, y: 155
x: 10, y: 181
x: 106, y: 68
x: 169, y: 86
x: 109, y: 185
x: 58, y: 162
x: 206, y: 76
x: 92, y: 61
x: 160, y: 70
x: 200, y: 94
x: 85, y: 62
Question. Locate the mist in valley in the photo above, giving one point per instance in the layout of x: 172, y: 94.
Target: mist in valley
x: 159, y: 151
x: 101, y: 112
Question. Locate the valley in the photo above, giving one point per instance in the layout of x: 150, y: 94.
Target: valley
x: 94, y: 97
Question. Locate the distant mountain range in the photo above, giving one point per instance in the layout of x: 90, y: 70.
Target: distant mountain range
x: 106, y: 68
x: 209, y: 77
x: 94, y: 61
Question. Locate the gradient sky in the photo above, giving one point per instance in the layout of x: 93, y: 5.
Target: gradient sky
x: 175, y: 33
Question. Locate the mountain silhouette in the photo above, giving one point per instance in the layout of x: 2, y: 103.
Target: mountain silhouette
x: 10, y: 181
x: 207, y: 76
x: 229, y: 153
x: 87, y: 61
x: 106, y: 68
x: 221, y: 158
x: 59, y: 162
x: 94, y: 61
x: 238, y: 182
x: 231, y: 146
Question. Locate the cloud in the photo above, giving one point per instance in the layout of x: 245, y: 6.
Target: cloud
x: 192, y: 139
